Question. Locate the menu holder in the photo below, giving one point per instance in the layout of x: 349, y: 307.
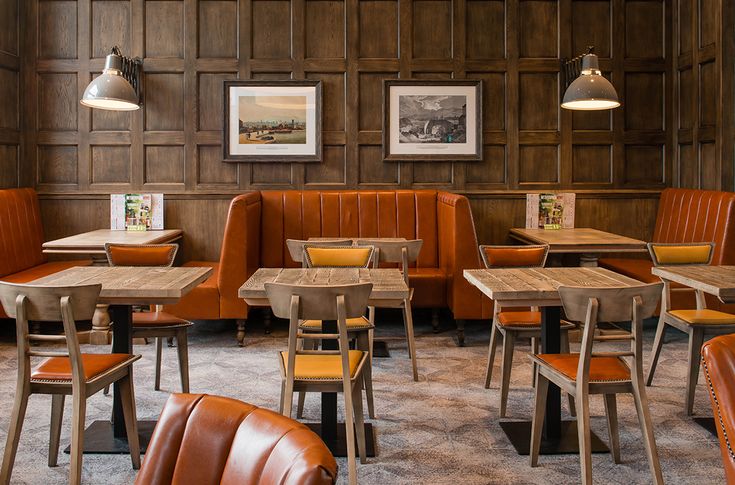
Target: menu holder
x: 550, y: 210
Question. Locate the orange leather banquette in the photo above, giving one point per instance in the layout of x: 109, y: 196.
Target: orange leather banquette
x: 259, y: 223
x: 686, y: 215
x: 718, y: 357
x: 210, y: 440
x: 21, y: 238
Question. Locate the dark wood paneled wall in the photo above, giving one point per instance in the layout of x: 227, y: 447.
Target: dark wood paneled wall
x: 9, y: 93
x: 189, y: 47
x: 704, y: 37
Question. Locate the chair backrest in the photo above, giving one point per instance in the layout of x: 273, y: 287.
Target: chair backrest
x: 718, y: 358
x: 404, y: 252
x: 591, y: 305
x: 531, y: 256
x: 211, y: 440
x: 296, y: 247
x: 671, y: 254
x: 318, y: 302
x: 320, y: 256
x: 64, y: 304
x: 141, y: 254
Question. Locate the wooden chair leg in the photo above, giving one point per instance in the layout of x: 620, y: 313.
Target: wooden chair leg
x: 280, y: 400
x: 564, y: 349
x: 508, y: 348
x: 534, y: 350
x: 288, y: 398
x: 79, y: 410
x: 127, y: 396
x: 349, y: 431
x: 20, y: 403
x: 696, y: 339
x: 611, y: 410
x: 491, y: 355
x: 359, y: 420
x: 649, y: 441
x: 583, y: 432
x: 658, y: 342
x: 363, y: 340
x: 300, y: 405
x: 182, y: 347
x: 57, y: 415
x: 408, y: 322
x: 159, y: 351
x: 539, y: 413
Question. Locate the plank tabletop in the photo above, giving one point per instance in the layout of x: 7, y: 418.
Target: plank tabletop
x: 541, y: 284
x: 93, y: 242
x: 126, y: 285
x: 578, y: 239
x: 388, y: 283
x: 715, y: 280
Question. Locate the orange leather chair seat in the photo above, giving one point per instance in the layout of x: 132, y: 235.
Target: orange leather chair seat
x: 704, y: 317
x: 322, y: 367
x: 203, y: 301
x: 352, y: 324
x: 519, y: 319
x: 59, y: 368
x: 157, y: 319
x: 602, y: 369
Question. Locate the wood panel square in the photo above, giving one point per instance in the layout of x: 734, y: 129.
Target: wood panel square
x: 164, y: 29
x: 210, y: 108
x: 433, y: 173
x: 9, y: 27
x: 537, y: 28
x: 708, y: 13
x: 57, y: 30
x: 431, y: 75
x: 57, y: 102
x: 271, y: 174
x: 592, y: 120
x: 708, y: 166
x: 592, y: 164
x: 644, y: 165
x: 217, y: 29
x: 110, y: 27
x: 485, y: 29
x: 591, y: 27
x: 493, y: 99
x: 432, y: 29
x: 378, y: 29
x: 332, y: 170
x: 538, y: 164
x: 685, y: 26
x: 164, y: 165
x: 644, y: 29
x: 8, y: 166
x: 333, y: 99
x: 372, y: 169
x: 644, y: 101
x: 57, y: 165
x: 708, y: 89
x: 685, y: 93
x: 110, y: 164
x: 492, y: 169
x: 371, y: 99
x: 539, y: 101
x: 271, y: 29
x: 688, y: 167
x: 164, y: 109
x: 211, y: 170
x: 325, y: 29
x: 9, y: 93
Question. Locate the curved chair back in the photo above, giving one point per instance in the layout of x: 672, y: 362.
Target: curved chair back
x: 211, y: 440
x: 320, y: 256
x: 718, y: 359
x: 531, y: 256
x: 671, y: 254
x: 296, y: 246
x: 318, y: 302
x: 141, y: 254
x: 398, y: 251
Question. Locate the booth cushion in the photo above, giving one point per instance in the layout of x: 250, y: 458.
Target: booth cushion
x: 203, y: 302
x: 42, y: 270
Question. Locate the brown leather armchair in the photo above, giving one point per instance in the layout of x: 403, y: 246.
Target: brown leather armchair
x: 216, y: 440
x: 718, y: 360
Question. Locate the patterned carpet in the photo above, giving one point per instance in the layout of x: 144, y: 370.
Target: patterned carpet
x: 441, y: 430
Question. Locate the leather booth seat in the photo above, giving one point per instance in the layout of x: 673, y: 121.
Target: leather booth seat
x: 686, y: 215
x: 211, y: 440
x: 259, y: 223
x: 21, y: 239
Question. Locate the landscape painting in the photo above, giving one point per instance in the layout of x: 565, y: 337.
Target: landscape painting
x: 272, y: 121
x: 432, y: 120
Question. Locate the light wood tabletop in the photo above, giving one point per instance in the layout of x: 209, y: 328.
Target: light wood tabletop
x: 715, y: 280
x: 125, y: 285
x: 578, y: 240
x: 93, y: 242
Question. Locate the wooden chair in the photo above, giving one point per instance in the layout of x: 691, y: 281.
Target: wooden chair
x: 698, y: 324
x: 157, y: 323
x: 336, y: 371
x: 605, y: 373
x: 62, y: 373
x: 404, y: 253
x: 296, y: 247
x: 516, y: 323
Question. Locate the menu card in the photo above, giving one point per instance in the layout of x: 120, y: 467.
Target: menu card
x: 550, y: 211
x: 136, y: 212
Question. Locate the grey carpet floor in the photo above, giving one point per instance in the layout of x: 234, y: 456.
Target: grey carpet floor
x: 443, y: 429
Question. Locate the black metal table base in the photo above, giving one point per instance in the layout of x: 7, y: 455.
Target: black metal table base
x: 338, y: 447
x: 99, y: 438
x: 380, y: 349
x: 519, y: 434
x: 707, y: 423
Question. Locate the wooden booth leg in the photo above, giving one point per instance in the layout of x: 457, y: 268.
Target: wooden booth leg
x: 435, y: 320
x: 460, y: 332
x: 241, y: 332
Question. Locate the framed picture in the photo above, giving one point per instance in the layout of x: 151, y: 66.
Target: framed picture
x: 272, y: 121
x: 432, y: 120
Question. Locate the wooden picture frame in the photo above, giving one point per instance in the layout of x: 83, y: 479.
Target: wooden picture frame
x: 272, y: 121
x: 437, y: 120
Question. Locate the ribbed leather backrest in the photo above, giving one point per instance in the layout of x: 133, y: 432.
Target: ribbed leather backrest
x: 211, y: 440
x: 295, y: 214
x: 686, y: 215
x: 21, y: 232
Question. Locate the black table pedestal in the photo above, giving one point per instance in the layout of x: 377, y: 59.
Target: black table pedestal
x: 99, y: 438
x: 707, y: 423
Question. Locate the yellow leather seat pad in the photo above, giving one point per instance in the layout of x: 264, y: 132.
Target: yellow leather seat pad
x: 351, y: 257
x: 682, y: 254
x: 352, y: 324
x: 519, y: 319
x: 704, y: 317
x: 320, y: 367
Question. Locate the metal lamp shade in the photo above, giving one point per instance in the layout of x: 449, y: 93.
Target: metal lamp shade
x: 110, y: 91
x: 590, y: 92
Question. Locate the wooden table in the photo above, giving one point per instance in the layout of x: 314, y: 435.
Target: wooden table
x: 123, y: 287
x: 587, y: 242
x: 93, y: 243
x: 538, y: 287
x: 388, y: 288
